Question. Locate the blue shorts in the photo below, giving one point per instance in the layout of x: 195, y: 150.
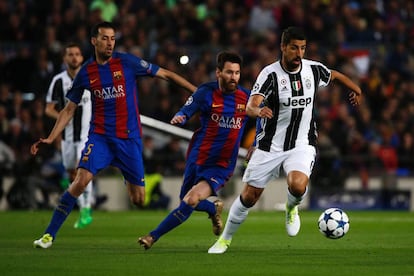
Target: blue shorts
x: 216, y: 177
x: 126, y: 154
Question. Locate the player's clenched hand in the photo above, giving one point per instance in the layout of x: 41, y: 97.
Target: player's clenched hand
x: 265, y: 112
x: 179, y: 118
x: 355, y: 98
x: 35, y: 147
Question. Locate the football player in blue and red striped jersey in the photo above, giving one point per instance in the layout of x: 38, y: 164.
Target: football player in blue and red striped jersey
x: 213, y: 150
x: 115, y: 129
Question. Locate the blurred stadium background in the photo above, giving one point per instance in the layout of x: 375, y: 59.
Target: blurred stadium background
x: 366, y: 158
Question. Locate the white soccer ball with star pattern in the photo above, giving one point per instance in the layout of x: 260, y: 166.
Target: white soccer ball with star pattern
x: 333, y: 223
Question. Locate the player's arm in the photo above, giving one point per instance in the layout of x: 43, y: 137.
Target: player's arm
x: 255, y: 108
x: 51, y: 111
x: 177, y: 79
x: 62, y: 120
x: 356, y: 93
x: 193, y: 105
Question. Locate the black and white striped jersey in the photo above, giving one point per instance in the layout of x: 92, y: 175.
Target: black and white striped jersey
x: 291, y: 96
x: 77, y: 129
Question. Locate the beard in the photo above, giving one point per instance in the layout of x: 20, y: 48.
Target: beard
x: 105, y: 55
x: 293, y: 64
x: 230, y: 87
x: 73, y: 66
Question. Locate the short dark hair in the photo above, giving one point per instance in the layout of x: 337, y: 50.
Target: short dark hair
x: 292, y: 33
x: 104, y: 24
x: 70, y: 44
x: 225, y: 56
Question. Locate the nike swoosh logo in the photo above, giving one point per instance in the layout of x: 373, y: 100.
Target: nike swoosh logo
x: 214, y: 180
x: 217, y: 105
x: 94, y: 80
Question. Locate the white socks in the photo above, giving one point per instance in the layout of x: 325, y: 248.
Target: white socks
x: 237, y: 215
x: 293, y: 201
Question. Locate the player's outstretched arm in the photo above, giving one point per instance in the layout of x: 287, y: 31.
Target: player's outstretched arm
x: 355, y: 96
x: 63, y: 119
x: 177, y: 79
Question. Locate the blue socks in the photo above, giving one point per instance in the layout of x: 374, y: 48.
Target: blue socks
x: 206, y: 206
x: 61, y: 212
x: 173, y: 219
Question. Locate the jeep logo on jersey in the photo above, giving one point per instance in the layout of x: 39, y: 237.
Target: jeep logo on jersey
x: 110, y: 92
x: 227, y: 122
x: 298, y: 102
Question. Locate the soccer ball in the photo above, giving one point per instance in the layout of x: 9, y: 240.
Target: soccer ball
x: 333, y: 223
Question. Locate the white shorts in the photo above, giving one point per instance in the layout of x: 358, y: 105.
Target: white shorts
x: 71, y: 153
x: 263, y: 165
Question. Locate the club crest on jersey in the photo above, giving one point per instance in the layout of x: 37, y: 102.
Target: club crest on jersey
x: 308, y: 83
x: 117, y: 75
x: 240, y: 107
x: 296, y: 85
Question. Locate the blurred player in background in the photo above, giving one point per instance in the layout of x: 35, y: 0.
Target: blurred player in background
x: 283, y: 97
x: 213, y: 150
x: 115, y: 130
x: 75, y: 133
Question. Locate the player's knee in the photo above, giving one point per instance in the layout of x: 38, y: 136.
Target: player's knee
x: 192, y: 199
x: 250, y: 195
x: 81, y: 181
x: 297, y: 188
x: 136, y: 194
x: 297, y: 183
x: 138, y: 200
x: 76, y: 188
x: 248, y: 199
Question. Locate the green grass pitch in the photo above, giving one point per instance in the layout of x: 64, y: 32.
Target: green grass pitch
x: 378, y: 243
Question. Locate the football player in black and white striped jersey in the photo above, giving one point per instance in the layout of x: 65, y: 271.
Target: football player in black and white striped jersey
x: 75, y: 133
x: 283, y: 98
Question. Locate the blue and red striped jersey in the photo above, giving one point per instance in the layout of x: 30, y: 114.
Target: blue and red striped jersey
x: 114, y: 93
x: 223, y: 118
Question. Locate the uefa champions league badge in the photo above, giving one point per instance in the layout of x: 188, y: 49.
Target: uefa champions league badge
x: 144, y: 63
x: 256, y: 87
x: 189, y: 100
